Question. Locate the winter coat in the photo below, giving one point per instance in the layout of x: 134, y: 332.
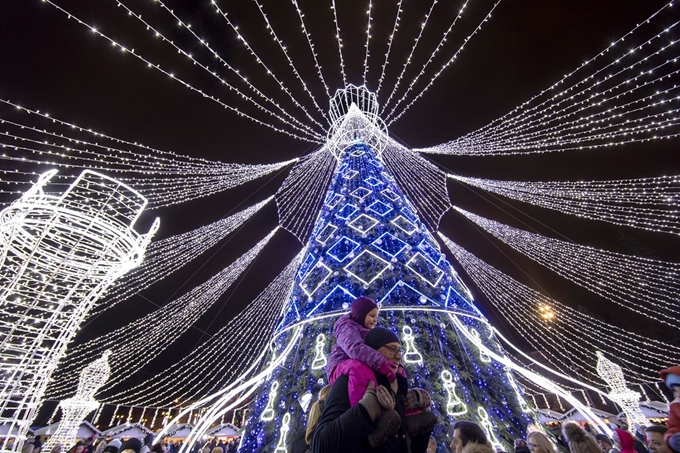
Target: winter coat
x: 627, y: 441
x: 474, y: 447
x: 299, y: 445
x: 343, y: 428
x: 359, y: 376
x: 673, y: 420
x: 349, y: 344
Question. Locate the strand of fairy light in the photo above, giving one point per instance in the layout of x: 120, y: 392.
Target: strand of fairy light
x: 172, y: 156
x: 156, y: 331
x: 407, y: 62
x: 587, y: 63
x: 301, y: 128
x: 521, y: 306
x: 311, y: 48
x: 629, y: 281
x: 515, y: 118
x: 368, y: 40
x: 395, y: 27
x: 301, y: 194
x: 538, y: 115
x: 204, y: 43
x: 165, y: 256
x: 290, y: 62
x: 424, y: 183
x: 261, y: 63
x: 230, y: 350
x: 646, y: 203
x: 445, y: 65
x: 172, y: 76
x: 563, y: 96
x: 523, y: 140
x: 160, y: 192
x: 430, y: 59
x: 339, y: 40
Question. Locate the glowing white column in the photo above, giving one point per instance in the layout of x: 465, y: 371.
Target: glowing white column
x: 58, y: 254
x: 620, y: 394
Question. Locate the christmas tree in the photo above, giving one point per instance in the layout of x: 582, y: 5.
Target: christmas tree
x: 368, y: 240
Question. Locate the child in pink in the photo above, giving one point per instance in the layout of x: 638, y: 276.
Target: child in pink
x: 350, y: 355
x: 671, y: 377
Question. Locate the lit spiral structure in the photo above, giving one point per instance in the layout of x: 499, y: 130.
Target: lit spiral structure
x: 59, y: 253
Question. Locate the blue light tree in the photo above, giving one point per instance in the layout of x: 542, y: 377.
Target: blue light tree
x: 368, y: 240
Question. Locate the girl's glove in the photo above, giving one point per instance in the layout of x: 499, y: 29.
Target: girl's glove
x: 417, y: 399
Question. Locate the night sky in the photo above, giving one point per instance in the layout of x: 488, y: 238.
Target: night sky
x: 53, y: 64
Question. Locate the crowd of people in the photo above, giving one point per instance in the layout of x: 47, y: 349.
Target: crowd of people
x: 133, y: 445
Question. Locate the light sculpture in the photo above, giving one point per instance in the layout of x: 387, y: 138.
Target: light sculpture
x: 612, y: 374
x: 74, y: 410
x: 58, y: 254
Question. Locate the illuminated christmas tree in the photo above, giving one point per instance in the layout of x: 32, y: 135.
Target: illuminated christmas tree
x: 368, y: 240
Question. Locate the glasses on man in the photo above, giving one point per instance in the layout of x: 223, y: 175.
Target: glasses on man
x: 394, y: 350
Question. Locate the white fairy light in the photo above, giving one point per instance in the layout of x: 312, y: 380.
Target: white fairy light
x: 311, y: 48
x: 302, y: 192
x: 261, y: 63
x: 429, y: 60
x: 629, y: 400
x: 395, y: 27
x: 290, y: 62
x: 231, y: 350
x: 75, y: 409
x: 156, y: 331
x: 338, y: 37
x: 204, y: 43
x: 629, y: 281
x: 368, y: 40
x: 157, y: 67
x: 268, y: 413
x: 446, y: 65
x: 49, y: 289
x: 407, y: 62
x: 646, y: 203
x: 573, y: 335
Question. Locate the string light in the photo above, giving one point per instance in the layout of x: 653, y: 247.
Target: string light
x: 629, y: 281
x: 368, y: 39
x: 339, y: 39
x: 311, y: 48
x: 61, y: 252
x: 645, y: 203
x: 395, y: 27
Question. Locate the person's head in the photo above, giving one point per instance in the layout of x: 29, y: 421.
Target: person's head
x: 88, y: 441
x: 539, y: 443
x: 386, y: 343
x: 27, y: 448
x: 56, y: 449
x: 432, y: 445
x: 579, y: 441
x: 519, y: 443
x: 604, y: 442
x: 217, y: 450
x: 132, y: 445
x: 365, y: 312
x: 654, y: 435
x: 156, y: 448
x: 80, y: 448
x: 315, y: 414
x: 465, y: 432
x: 671, y: 377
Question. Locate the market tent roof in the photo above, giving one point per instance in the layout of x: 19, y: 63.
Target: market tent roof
x: 576, y: 416
x: 225, y: 430
x: 5, y: 430
x: 179, y: 431
x: 85, y: 430
x: 547, y: 416
x: 651, y: 409
x: 128, y: 430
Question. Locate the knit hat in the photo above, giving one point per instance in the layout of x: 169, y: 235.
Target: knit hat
x: 671, y: 376
x: 360, y: 308
x: 379, y: 337
x: 604, y: 438
x: 133, y: 444
x: 579, y: 441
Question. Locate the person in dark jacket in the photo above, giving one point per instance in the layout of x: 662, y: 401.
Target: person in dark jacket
x: 343, y: 428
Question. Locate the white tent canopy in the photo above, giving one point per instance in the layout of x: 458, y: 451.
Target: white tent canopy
x: 85, y: 430
x: 5, y: 430
x: 128, y: 430
x: 225, y: 430
x: 650, y: 409
x: 547, y: 416
x: 576, y: 416
x: 178, y: 431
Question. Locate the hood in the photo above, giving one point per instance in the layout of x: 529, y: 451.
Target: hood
x: 627, y: 441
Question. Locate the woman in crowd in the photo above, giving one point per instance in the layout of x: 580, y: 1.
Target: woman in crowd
x: 469, y: 437
x: 539, y: 443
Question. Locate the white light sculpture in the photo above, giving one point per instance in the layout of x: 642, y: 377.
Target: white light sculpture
x: 620, y: 394
x: 354, y: 112
x: 320, y: 359
x: 74, y: 410
x: 58, y: 254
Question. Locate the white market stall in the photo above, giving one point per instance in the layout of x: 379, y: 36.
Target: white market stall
x: 225, y: 431
x: 127, y: 431
x: 178, y: 431
x: 85, y: 430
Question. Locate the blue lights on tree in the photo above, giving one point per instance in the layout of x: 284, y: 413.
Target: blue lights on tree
x: 368, y: 240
